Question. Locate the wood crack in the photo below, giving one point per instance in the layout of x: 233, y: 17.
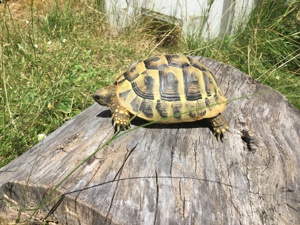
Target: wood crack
x: 156, y: 199
x: 118, y: 179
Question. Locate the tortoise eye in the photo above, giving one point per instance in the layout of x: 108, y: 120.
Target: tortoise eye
x: 96, y: 97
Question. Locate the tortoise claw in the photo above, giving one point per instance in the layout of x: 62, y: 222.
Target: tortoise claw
x: 220, y: 134
x: 220, y: 126
x: 119, y: 127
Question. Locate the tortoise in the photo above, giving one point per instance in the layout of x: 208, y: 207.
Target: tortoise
x: 166, y: 89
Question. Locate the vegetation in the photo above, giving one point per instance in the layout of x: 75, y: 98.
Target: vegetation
x: 53, y: 56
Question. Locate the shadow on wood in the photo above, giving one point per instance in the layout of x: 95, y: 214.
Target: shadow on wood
x: 176, y: 174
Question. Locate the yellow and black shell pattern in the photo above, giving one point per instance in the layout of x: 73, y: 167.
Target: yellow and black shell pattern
x: 170, y: 89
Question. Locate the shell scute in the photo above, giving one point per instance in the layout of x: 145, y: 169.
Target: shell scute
x: 178, y: 61
x: 196, y: 64
x: 143, y: 87
x: 155, y: 63
x: 162, y: 108
x: 147, y: 108
x: 192, y: 82
x: 169, y: 85
x: 176, y: 108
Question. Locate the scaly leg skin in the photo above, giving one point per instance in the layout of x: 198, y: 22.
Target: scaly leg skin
x: 120, y: 116
x: 220, y: 126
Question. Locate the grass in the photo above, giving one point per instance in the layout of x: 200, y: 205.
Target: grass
x: 54, y: 56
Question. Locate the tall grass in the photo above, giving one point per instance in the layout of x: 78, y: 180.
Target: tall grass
x: 54, y: 56
x: 266, y: 47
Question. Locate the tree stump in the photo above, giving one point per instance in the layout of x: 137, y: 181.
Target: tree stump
x: 165, y: 174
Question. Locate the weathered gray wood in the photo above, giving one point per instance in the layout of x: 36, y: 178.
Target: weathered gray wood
x: 168, y: 174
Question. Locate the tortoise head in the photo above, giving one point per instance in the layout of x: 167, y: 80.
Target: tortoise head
x: 104, y: 95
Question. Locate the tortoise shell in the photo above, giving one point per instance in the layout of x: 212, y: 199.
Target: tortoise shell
x: 170, y: 89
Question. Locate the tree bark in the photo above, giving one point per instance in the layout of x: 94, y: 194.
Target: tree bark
x: 166, y: 174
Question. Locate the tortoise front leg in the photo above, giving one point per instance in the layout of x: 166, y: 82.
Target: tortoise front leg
x: 220, y: 125
x: 120, y: 115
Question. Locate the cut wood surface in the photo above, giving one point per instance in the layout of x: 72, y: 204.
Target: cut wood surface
x: 166, y: 174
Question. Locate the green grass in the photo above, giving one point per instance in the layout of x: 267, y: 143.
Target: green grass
x: 267, y: 48
x: 53, y: 58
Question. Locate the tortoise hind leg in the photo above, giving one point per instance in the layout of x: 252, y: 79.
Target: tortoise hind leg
x: 220, y: 125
